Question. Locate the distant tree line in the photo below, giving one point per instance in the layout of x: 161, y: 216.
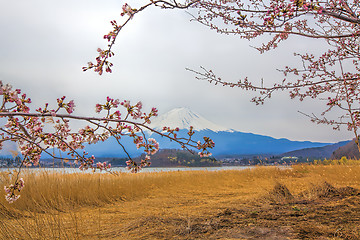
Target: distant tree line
x: 10, y: 161
x: 181, y: 158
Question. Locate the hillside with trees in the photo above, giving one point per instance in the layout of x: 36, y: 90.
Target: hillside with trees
x: 349, y: 151
x: 181, y: 158
x: 316, y: 152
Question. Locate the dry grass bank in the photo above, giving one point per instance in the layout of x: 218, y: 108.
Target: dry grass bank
x: 249, y: 204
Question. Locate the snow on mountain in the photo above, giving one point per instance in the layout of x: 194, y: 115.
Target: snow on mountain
x: 183, y: 118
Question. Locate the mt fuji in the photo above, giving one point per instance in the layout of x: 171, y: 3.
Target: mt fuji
x: 227, y: 141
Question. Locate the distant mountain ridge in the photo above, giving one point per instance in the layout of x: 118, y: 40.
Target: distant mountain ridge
x: 240, y: 143
x: 350, y: 150
x: 227, y: 141
x: 316, y: 152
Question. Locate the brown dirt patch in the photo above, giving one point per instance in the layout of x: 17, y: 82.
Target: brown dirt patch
x: 322, y: 212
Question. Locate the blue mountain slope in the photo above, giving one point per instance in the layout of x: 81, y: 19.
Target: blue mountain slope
x: 246, y: 143
x: 238, y: 143
x: 316, y: 152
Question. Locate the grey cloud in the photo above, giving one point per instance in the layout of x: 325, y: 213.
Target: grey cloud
x: 48, y: 42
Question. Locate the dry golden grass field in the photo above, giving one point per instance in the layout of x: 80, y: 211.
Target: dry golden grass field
x: 302, y: 202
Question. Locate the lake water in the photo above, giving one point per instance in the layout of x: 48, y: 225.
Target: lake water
x: 148, y: 169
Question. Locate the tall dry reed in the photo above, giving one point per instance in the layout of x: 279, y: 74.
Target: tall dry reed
x: 62, y: 196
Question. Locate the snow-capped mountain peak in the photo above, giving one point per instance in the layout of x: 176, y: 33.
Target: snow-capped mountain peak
x: 183, y: 118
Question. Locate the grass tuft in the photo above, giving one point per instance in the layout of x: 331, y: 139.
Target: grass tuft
x: 257, y: 202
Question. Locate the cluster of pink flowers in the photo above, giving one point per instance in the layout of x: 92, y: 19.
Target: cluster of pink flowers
x: 103, y: 166
x: 135, y: 167
x: 126, y: 104
x: 112, y: 34
x: 171, y: 131
x: 101, y: 62
x: 127, y: 10
x: 110, y: 103
x: 145, y: 162
x: 280, y: 10
x: 87, y: 163
x: 12, y: 188
x: 208, y: 143
x: 153, y: 113
x: 69, y: 106
x: 139, y: 141
x: 152, y: 147
x: 191, y: 131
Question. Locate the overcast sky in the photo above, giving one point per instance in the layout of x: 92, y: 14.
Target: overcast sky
x: 44, y: 45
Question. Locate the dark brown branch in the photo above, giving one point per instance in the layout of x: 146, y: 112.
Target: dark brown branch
x: 341, y: 17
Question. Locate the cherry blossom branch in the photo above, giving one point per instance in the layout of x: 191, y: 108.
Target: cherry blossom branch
x: 102, y: 60
x: 27, y: 129
x: 91, y: 119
